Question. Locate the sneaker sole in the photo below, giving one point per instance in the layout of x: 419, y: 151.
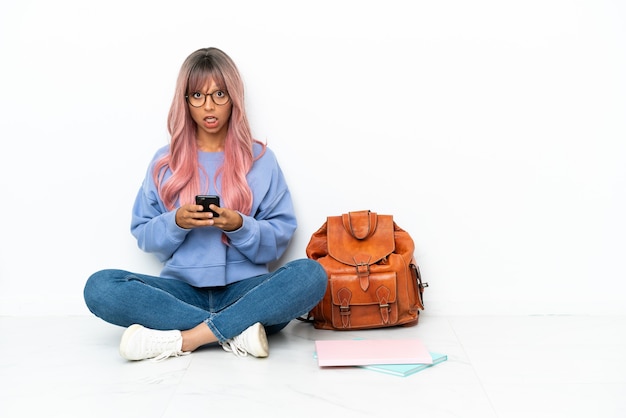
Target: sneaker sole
x: 128, y: 334
x: 262, y: 350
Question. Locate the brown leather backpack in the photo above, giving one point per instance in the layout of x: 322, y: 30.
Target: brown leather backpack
x: 373, y: 278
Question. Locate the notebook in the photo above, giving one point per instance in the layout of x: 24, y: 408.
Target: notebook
x: 406, y: 369
x: 367, y: 352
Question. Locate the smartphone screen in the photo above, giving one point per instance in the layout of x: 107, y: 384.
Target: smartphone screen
x: 206, y: 200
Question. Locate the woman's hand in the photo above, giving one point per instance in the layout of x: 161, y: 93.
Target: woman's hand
x: 191, y: 216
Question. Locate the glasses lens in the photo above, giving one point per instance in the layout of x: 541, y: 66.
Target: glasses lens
x: 220, y: 97
x: 196, y: 99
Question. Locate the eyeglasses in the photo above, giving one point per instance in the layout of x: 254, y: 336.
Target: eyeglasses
x: 197, y: 99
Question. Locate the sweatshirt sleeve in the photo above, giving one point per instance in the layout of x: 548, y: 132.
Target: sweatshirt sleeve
x: 153, y: 225
x: 264, y: 237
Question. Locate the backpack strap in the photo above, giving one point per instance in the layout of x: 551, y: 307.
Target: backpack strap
x: 360, y: 224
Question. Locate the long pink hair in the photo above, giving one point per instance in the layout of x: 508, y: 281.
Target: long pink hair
x: 182, y: 160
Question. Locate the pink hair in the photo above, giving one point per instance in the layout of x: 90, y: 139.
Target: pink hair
x: 201, y: 66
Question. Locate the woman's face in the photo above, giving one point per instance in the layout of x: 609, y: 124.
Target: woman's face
x: 211, y: 119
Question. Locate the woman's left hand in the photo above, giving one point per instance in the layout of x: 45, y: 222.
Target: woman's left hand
x: 228, y: 219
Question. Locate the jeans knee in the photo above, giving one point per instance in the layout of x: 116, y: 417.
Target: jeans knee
x: 315, y: 274
x: 91, y: 289
x: 321, y: 277
x: 96, y: 286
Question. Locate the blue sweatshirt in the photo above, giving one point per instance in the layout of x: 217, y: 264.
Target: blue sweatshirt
x: 199, y: 256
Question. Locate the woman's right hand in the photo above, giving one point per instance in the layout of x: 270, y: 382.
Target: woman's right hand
x: 191, y: 216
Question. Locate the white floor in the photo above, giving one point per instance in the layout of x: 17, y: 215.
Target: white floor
x: 504, y: 367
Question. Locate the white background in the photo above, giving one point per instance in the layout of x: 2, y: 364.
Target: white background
x: 493, y: 131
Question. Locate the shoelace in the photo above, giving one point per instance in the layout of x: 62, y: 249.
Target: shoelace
x: 162, y: 344
x: 233, y: 346
x: 167, y: 354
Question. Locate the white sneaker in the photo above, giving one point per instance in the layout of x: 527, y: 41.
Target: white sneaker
x: 252, y: 341
x: 139, y: 343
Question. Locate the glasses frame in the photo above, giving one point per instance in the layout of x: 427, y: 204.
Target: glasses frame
x: 209, y: 95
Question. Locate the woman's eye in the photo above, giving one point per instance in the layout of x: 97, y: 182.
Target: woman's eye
x: 197, y: 95
x: 219, y: 93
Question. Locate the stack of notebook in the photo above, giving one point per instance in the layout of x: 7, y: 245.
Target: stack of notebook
x: 401, y: 357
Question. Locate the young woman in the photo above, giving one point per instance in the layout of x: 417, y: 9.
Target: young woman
x: 215, y: 286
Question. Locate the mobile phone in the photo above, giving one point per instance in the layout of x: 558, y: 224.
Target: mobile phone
x: 206, y: 200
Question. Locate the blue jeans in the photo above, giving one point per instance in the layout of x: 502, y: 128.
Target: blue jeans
x: 273, y: 299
